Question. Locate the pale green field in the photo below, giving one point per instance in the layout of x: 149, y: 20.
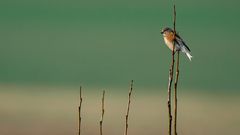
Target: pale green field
x: 53, y: 111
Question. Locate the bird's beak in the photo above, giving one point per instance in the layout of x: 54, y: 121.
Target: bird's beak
x: 161, y: 32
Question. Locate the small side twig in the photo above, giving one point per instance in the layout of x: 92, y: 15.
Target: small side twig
x: 102, y: 115
x: 128, y: 108
x: 79, y: 111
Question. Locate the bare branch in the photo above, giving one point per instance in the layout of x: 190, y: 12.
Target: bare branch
x: 79, y: 111
x: 171, y: 77
x: 174, y: 18
x: 128, y: 107
x: 102, y: 115
x: 175, y: 95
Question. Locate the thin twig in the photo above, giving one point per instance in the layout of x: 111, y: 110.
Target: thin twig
x: 79, y: 111
x: 175, y: 95
x: 128, y: 108
x: 174, y: 18
x: 171, y: 78
x: 169, y: 100
x: 101, y: 121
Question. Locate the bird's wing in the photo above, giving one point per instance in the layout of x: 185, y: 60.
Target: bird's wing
x: 180, y: 41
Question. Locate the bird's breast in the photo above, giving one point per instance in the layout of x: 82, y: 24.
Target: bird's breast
x: 169, y: 43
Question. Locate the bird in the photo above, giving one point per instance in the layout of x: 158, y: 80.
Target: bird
x: 171, y: 38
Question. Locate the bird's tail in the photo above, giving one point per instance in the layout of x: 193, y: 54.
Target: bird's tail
x: 189, y: 56
x: 187, y: 52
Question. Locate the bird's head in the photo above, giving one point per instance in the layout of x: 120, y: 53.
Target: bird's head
x: 166, y: 30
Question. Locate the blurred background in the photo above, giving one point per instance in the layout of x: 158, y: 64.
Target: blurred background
x: 48, y: 48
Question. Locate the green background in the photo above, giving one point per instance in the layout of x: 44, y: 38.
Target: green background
x: 107, y: 43
x: 50, y: 47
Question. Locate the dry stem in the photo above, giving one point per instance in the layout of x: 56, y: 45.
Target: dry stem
x: 101, y: 121
x: 128, y: 107
x: 175, y: 95
x: 79, y: 111
x: 171, y: 78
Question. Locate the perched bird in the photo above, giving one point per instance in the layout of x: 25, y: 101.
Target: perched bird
x: 170, y: 38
